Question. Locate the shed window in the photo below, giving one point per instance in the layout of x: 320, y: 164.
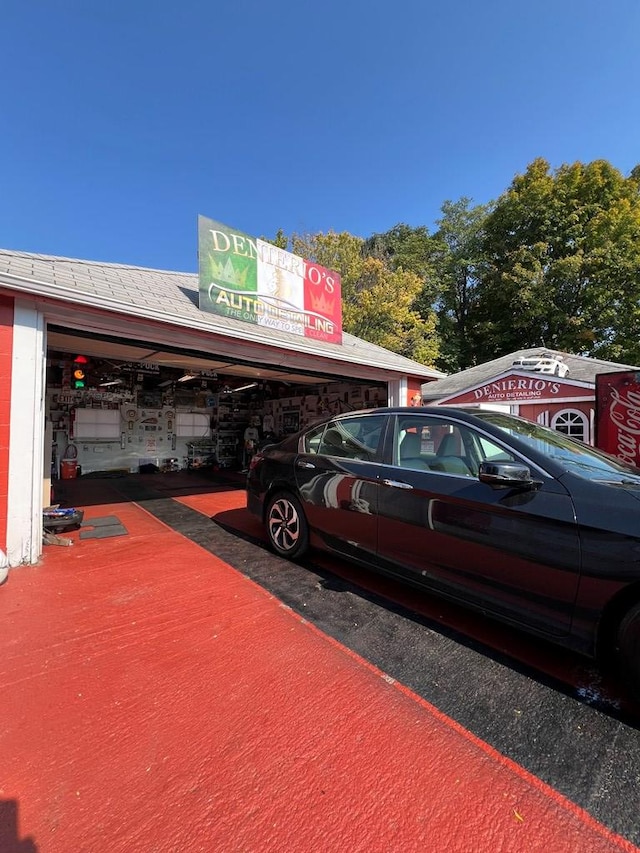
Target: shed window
x: 571, y: 422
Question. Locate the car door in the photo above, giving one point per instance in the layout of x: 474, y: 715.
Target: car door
x: 337, y: 475
x: 514, y: 552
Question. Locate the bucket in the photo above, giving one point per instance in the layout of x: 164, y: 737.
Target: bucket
x: 68, y: 469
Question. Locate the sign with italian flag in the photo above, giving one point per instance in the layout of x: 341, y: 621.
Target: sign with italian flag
x: 252, y: 280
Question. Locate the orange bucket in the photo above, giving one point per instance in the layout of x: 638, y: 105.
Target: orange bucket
x: 68, y: 469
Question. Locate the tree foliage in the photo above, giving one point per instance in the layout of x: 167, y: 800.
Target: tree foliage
x: 377, y: 300
x: 404, y: 247
x: 555, y: 261
x: 408, y: 250
x: 562, y: 263
x: 457, y: 262
x: 381, y: 311
x: 337, y: 251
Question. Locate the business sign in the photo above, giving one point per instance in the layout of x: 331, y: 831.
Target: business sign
x: 618, y: 415
x: 516, y: 388
x: 249, y: 279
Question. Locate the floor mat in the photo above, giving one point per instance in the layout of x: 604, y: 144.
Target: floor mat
x: 102, y: 528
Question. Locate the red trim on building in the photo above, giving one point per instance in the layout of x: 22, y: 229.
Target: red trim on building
x: 516, y: 388
x: 532, y: 396
x: 6, y: 357
x: 533, y: 412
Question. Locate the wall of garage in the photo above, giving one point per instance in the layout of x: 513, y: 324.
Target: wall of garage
x: 24, y: 494
x: 6, y: 356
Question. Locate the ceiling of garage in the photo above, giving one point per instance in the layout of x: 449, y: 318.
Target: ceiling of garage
x: 118, y: 352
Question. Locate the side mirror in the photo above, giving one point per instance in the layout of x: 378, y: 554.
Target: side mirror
x: 505, y: 474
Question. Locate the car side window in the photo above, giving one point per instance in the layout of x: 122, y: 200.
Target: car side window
x: 414, y: 446
x: 491, y: 452
x: 434, y: 444
x: 357, y: 437
x: 312, y: 439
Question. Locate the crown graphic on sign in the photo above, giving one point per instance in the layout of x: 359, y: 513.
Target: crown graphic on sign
x: 322, y: 304
x: 229, y: 273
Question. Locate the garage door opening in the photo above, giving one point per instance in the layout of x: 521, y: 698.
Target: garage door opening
x: 107, y: 415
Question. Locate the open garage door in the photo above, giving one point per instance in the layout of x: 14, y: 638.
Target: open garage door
x: 124, y: 406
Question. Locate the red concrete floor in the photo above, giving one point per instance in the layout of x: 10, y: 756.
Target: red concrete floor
x: 156, y: 700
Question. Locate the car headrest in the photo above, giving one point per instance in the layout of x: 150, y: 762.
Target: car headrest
x: 332, y: 440
x: 410, y: 446
x: 448, y: 446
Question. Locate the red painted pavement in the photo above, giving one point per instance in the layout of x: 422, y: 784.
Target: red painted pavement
x: 154, y: 699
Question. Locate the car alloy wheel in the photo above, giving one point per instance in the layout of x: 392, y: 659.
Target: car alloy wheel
x: 286, y: 526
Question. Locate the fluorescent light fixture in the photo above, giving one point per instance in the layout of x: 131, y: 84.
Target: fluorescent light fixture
x: 187, y: 377
x: 111, y: 382
x: 245, y: 387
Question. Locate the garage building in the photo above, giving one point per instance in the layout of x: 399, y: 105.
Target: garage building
x: 113, y: 368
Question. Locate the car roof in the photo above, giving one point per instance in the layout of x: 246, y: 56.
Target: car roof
x: 468, y: 412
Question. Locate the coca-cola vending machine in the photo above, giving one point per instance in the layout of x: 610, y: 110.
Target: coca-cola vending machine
x: 618, y: 415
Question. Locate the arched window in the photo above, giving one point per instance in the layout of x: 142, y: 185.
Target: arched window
x: 571, y: 422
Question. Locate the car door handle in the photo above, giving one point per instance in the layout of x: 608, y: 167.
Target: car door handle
x: 397, y: 484
x: 301, y: 464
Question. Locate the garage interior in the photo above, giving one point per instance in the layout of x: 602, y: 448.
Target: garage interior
x: 115, y: 406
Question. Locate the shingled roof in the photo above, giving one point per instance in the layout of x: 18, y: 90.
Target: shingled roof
x: 581, y: 368
x: 172, y: 298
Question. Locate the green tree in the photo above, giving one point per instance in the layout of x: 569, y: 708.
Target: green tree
x: 280, y: 240
x: 457, y: 263
x: 341, y: 252
x: 381, y: 311
x: 562, y: 263
x: 411, y: 249
x: 378, y: 301
x: 403, y: 247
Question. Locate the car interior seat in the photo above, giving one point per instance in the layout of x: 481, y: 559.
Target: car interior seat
x: 448, y: 445
x: 448, y: 458
x: 410, y: 456
x: 332, y: 443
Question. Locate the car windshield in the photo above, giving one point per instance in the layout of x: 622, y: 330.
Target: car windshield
x: 571, y: 454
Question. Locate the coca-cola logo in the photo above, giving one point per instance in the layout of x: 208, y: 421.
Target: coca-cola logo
x: 624, y: 412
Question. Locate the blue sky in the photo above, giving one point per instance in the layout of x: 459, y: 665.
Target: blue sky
x: 122, y: 121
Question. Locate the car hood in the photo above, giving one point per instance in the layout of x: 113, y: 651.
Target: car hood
x: 628, y: 487
x: 632, y: 490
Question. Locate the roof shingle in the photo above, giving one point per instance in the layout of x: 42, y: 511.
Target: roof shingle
x: 581, y: 368
x: 172, y: 297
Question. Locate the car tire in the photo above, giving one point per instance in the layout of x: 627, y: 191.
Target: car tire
x: 628, y: 648
x: 287, y: 528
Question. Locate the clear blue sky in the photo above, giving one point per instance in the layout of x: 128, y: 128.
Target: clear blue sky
x: 123, y: 120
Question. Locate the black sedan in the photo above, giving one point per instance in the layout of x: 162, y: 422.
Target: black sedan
x: 497, y: 512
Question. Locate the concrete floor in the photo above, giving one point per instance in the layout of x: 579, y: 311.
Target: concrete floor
x: 155, y: 699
